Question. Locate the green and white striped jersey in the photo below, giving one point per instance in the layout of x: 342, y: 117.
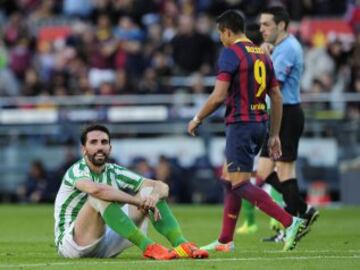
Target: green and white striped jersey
x: 69, y: 199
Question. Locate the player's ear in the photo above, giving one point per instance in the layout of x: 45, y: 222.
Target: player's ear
x: 281, y: 25
x: 83, y: 151
x: 228, y: 32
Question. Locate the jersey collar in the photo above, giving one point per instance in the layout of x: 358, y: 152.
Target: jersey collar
x: 242, y: 39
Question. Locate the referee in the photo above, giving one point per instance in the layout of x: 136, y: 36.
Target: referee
x: 287, y: 56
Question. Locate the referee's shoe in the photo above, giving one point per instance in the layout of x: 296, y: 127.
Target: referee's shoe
x: 311, y: 215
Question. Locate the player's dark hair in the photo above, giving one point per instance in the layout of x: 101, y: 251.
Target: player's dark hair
x: 90, y: 128
x: 231, y: 19
x: 253, y: 33
x: 280, y: 14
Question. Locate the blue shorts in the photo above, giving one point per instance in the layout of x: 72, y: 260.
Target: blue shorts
x: 243, y: 143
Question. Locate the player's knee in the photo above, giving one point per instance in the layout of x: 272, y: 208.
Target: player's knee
x: 145, y: 191
x: 262, y: 174
x: 164, y: 188
x: 161, y: 188
x: 286, y: 170
x: 97, y: 204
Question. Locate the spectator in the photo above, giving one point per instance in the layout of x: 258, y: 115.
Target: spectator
x: 317, y: 63
x: 35, y: 188
x: 78, y: 8
x: 149, y: 83
x: 106, y: 89
x: 20, y: 57
x: 31, y: 85
x: 102, y: 49
x: 8, y: 83
x: 170, y: 173
x: 199, y: 52
x: 141, y: 166
x: 123, y: 86
x: 162, y: 63
x: 15, y: 29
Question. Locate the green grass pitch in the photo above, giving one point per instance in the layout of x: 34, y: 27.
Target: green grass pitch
x: 26, y: 242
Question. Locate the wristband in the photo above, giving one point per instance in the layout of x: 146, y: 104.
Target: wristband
x: 196, y: 119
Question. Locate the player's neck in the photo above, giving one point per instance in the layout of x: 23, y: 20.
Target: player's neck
x: 281, y: 37
x: 239, y: 38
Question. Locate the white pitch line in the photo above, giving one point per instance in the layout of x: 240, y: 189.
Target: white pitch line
x: 310, y: 251
x: 240, y: 251
x: 127, y: 262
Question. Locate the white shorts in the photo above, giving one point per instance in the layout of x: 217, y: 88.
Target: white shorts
x: 109, y: 245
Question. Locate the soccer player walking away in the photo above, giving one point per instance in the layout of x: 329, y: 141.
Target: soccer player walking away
x: 245, y: 76
x: 101, y: 208
x: 287, y: 57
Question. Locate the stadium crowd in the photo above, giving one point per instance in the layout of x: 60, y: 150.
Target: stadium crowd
x: 114, y: 47
x: 117, y: 47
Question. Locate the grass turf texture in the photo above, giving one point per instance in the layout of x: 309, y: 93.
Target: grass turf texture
x: 26, y: 242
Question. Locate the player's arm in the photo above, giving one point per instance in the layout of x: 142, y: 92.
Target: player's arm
x: 214, y: 101
x: 275, y: 122
x: 106, y: 192
x: 159, y: 190
x: 267, y: 47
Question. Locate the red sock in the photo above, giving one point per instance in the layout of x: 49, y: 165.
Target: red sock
x: 263, y: 201
x: 259, y: 181
x: 232, y: 205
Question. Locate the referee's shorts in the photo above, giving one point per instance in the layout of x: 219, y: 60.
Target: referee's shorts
x: 292, y: 126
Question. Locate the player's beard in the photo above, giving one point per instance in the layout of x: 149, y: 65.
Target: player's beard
x: 98, y: 161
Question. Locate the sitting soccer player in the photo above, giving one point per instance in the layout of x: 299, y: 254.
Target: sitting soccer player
x: 101, y: 208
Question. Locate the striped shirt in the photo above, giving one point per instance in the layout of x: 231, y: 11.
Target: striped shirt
x: 251, y: 75
x: 69, y: 199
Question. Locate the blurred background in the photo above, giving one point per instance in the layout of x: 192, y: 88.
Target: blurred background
x: 143, y: 68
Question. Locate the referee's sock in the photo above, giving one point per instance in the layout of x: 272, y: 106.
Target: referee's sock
x: 295, y: 204
x: 274, y: 181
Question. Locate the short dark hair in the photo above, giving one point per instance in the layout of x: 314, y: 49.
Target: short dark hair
x: 280, y: 14
x: 90, y: 128
x: 232, y: 19
x: 253, y: 33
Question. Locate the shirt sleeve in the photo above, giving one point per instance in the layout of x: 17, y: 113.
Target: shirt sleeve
x: 283, y: 63
x: 272, y: 78
x: 75, y: 173
x: 228, y: 63
x: 128, y: 180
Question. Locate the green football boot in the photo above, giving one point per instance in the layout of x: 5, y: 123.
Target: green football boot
x: 292, y: 233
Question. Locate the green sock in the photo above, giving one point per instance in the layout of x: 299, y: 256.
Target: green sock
x: 249, y: 212
x: 117, y: 220
x: 168, y: 225
x: 277, y: 197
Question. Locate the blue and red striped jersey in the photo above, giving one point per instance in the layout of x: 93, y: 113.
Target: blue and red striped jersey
x: 251, y: 75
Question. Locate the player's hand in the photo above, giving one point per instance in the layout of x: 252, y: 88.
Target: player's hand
x: 267, y: 47
x: 149, y: 202
x: 274, y: 146
x: 156, y: 214
x: 193, y: 126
